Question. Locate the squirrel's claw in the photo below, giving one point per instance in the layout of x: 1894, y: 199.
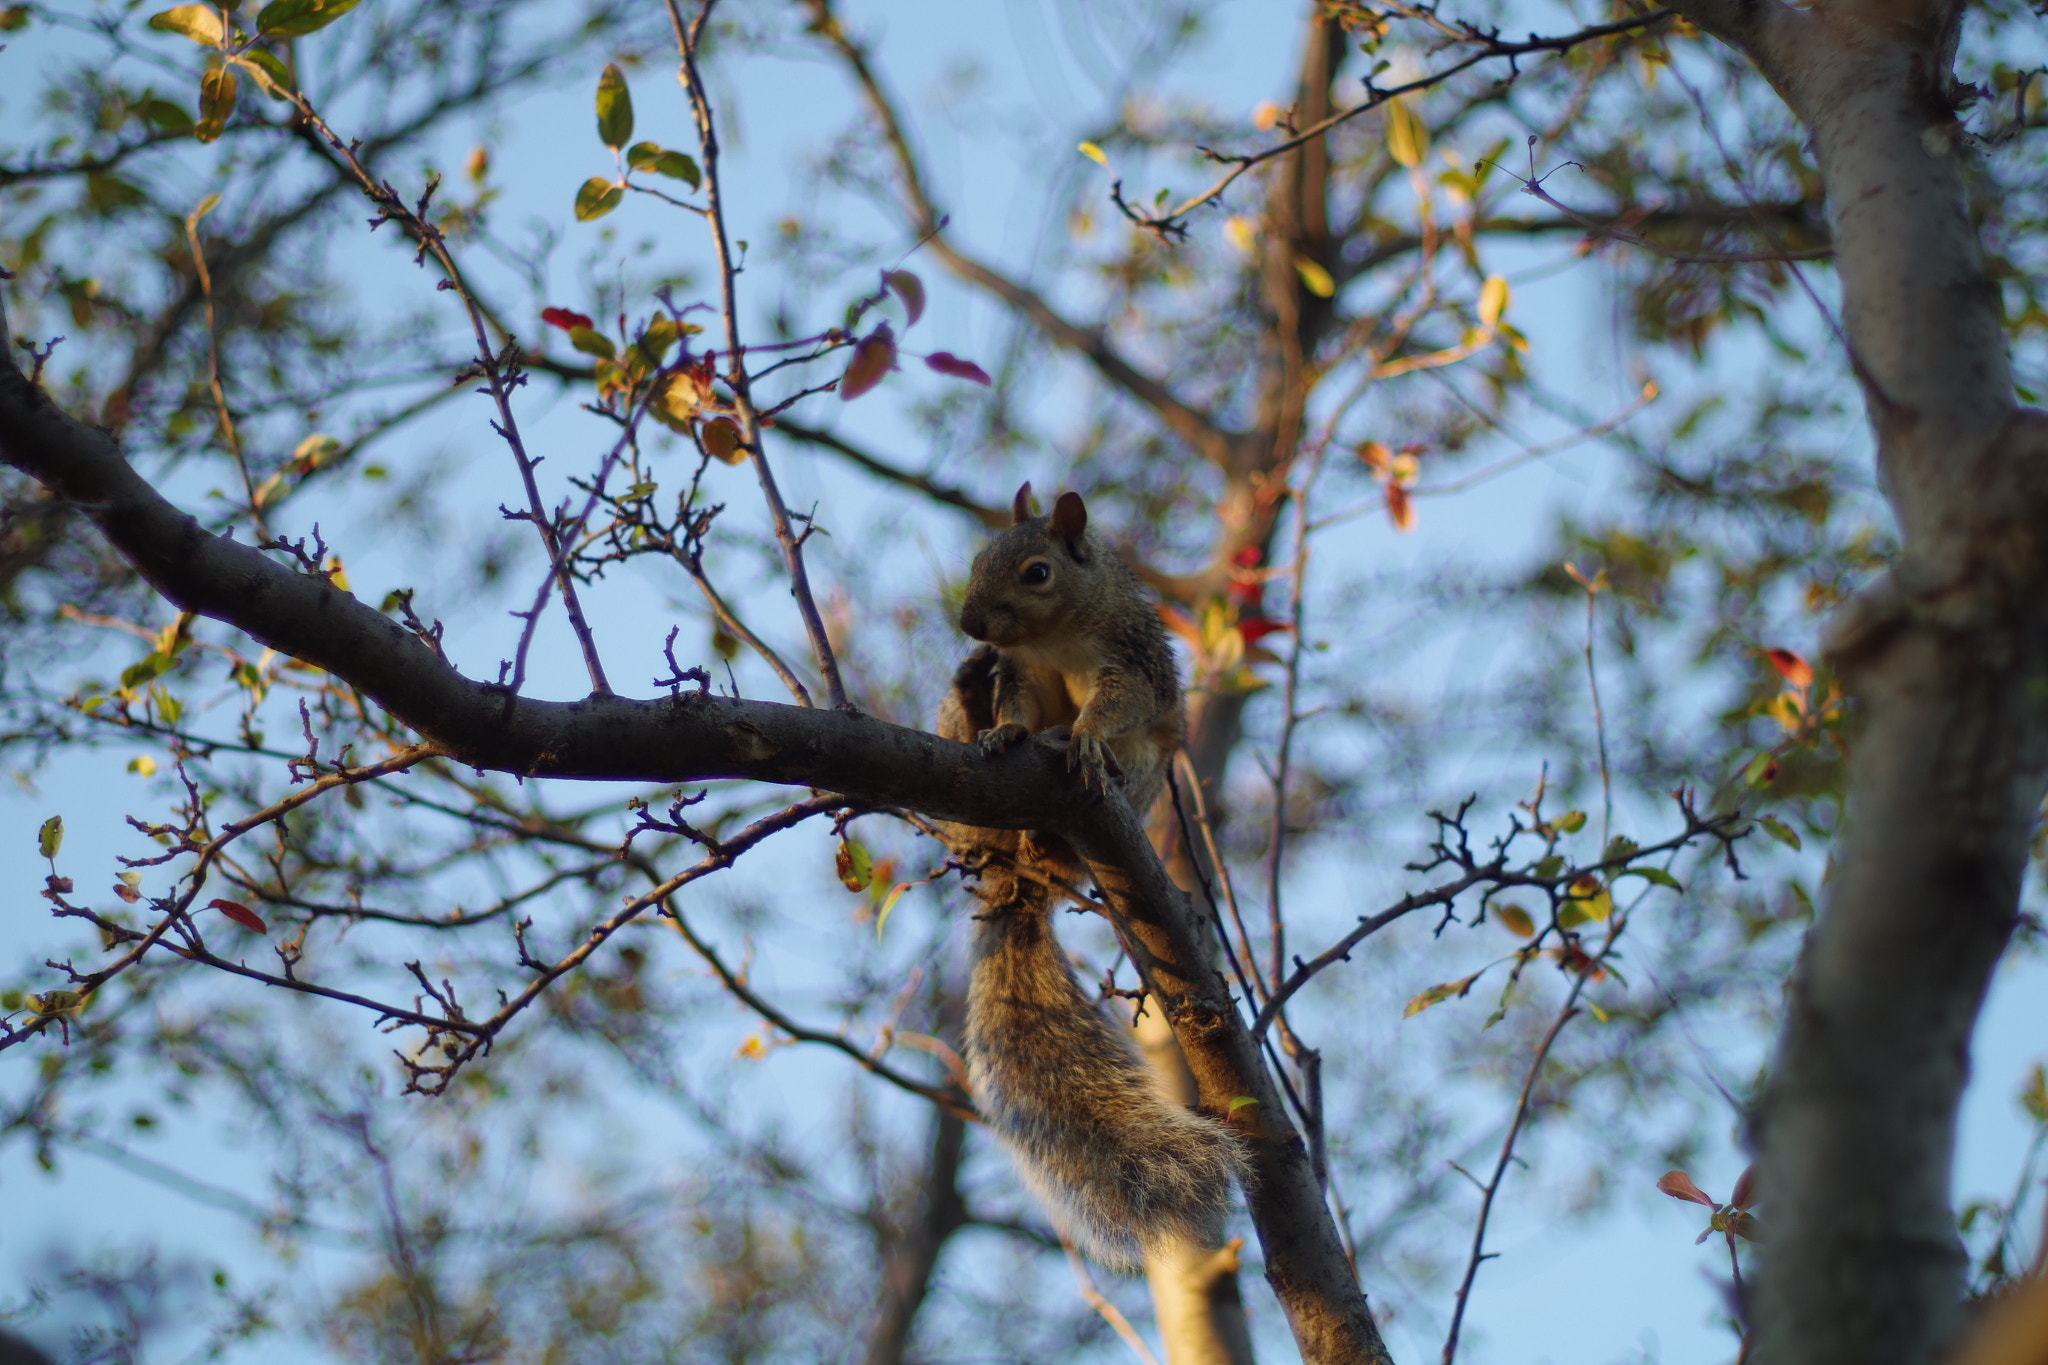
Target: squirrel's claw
x: 1096, y: 763
x: 1002, y: 738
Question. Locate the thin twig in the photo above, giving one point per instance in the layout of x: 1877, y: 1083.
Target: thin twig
x: 688, y: 36
x: 1093, y: 1298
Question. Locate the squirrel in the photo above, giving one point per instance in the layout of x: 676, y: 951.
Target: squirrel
x: 1075, y: 654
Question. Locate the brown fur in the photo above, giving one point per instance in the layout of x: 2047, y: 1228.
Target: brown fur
x: 1120, y: 1167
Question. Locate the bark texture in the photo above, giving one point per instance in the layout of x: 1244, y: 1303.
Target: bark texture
x: 1947, y: 663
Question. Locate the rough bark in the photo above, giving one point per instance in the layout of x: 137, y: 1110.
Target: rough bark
x: 693, y: 736
x: 1947, y: 662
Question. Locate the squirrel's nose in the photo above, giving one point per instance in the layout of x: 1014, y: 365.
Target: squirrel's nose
x: 973, y: 622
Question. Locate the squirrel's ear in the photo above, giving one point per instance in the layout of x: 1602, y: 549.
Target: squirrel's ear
x: 1070, y: 523
x: 1020, y: 510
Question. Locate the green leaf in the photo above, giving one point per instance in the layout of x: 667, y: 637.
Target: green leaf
x: 1760, y: 771
x: 614, y: 108
x: 1238, y: 1102
x: 296, y: 18
x: 200, y: 23
x: 1654, y: 875
x: 648, y: 156
x: 592, y: 343
x: 272, y: 76
x: 50, y: 837
x: 2034, y: 1099
x: 164, y: 116
x: 598, y: 197
x: 657, y: 340
x: 152, y: 665
x: 107, y: 193
x: 216, y: 102
x: 1571, y: 822
x: 1780, y: 831
x: 1550, y: 866
x: 855, y: 868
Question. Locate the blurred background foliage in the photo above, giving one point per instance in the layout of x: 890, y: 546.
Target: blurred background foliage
x: 646, y: 1167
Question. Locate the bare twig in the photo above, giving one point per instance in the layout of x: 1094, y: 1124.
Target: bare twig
x: 688, y: 37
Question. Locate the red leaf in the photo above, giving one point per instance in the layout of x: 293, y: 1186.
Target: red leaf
x: 874, y: 355
x: 1256, y: 628
x: 1790, y: 666
x: 564, y: 319
x: 1745, y: 1189
x: 1679, y: 1185
x: 945, y: 362
x: 240, y: 914
x: 1247, y: 557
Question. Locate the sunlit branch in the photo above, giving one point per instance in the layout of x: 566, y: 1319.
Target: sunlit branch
x: 1490, y: 48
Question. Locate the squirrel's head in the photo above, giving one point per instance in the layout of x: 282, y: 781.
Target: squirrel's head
x: 1029, y: 577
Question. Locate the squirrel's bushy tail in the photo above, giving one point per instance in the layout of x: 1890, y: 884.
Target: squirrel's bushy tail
x: 1120, y: 1166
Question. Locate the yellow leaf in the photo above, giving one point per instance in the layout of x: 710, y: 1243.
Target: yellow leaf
x: 753, y: 1049
x: 1094, y: 154
x: 1493, y: 300
x: 1436, y: 995
x: 1407, y: 139
x: 888, y: 904
x: 200, y: 23
x: 1241, y: 233
x: 1590, y: 898
x: 1314, y: 278
x: 142, y: 765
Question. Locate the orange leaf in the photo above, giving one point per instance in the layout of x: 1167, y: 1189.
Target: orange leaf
x: 240, y: 914
x: 1790, y: 666
x: 1178, y: 622
x: 1400, y: 507
x: 722, y: 439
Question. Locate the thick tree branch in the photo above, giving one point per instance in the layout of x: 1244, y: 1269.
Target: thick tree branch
x: 691, y: 737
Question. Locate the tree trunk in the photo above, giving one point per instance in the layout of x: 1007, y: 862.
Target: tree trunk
x: 1946, y: 667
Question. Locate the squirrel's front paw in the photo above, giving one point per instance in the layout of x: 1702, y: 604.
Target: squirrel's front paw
x: 1003, y: 738
x: 1097, y: 764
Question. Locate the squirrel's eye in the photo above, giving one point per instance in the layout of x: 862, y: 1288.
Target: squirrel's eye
x: 1034, y: 574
